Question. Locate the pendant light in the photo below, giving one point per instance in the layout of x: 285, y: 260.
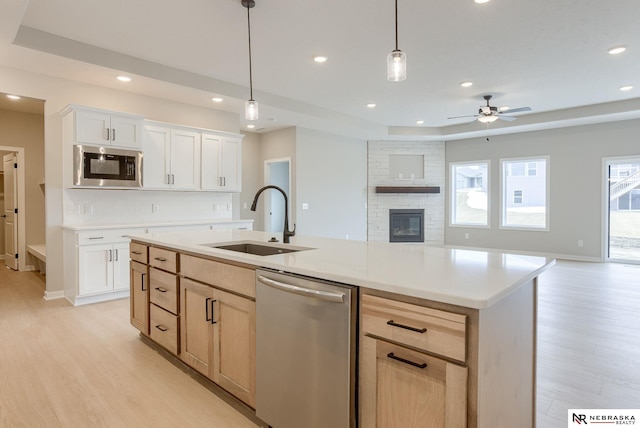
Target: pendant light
x: 396, y: 60
x: 251, y: 106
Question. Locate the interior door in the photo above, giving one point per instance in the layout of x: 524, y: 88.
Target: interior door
x: 10, y: 216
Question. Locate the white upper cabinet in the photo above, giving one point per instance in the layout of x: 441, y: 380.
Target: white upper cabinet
x: 221, y: 162
x: 99, y: 127
x: 171, y: 158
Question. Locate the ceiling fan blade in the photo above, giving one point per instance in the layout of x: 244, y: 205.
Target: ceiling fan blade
x: 462, y: 117
x: 516, y: 110
x: 507, y: 118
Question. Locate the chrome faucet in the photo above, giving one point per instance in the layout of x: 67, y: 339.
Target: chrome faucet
x: 286, y: 233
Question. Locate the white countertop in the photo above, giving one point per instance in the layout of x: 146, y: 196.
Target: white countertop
x: 475, y: 279
x: 81, y: 227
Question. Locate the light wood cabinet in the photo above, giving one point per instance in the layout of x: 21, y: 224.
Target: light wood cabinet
x: 139, y: 297
x: 196, y: 338
x: 400, y: 386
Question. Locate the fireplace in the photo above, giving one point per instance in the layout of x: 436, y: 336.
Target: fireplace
x: 406, y: 225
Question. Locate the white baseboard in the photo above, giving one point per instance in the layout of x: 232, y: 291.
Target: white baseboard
x: 52, y: 295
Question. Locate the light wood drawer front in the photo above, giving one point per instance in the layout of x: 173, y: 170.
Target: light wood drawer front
x: 234, y: 278
x: 431, y: 330
x: 138, y: 252
x: 164, y: 328
x: 163, y: 290
x: 163, y: 259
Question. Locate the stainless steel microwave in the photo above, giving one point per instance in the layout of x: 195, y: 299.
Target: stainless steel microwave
x: 106, y: 167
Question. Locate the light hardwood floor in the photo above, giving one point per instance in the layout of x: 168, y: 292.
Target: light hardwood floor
x: 62, y: 366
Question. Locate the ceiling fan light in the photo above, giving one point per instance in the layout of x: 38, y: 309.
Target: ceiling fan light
x: 396, y: 66
x: 251, y: 110
x: 487, y: 119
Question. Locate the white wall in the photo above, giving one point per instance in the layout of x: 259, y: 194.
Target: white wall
x: 332, y: 180
x: 251, y: 179
x: 576, y: 183
x: 58, y: 93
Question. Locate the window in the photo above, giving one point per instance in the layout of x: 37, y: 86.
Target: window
x: 517, y: 196
x: 470, y: 194
x: 525, y: 193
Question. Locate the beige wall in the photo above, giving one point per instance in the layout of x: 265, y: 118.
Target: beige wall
x: 27, y: 131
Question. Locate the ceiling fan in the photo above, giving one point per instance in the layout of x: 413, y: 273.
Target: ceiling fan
x: 489, y: 113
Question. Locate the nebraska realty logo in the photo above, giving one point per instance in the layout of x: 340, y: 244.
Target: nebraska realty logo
x: 578, y: 417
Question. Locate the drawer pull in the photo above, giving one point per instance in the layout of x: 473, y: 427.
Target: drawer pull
x: 137, y: 253
x: 162, y: 328
x: 406, y: 327
x: 96, y: 237
x: 206, y: 308
x: 402, y: 360
x: 160, y: 259
x: 161, y: 289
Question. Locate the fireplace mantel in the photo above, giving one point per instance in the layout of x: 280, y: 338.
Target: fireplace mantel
x: 408, y: 189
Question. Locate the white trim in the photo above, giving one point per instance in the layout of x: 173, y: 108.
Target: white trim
x: 53, y: 295
x: 95, y: 298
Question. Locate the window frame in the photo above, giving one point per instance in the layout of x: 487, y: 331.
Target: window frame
x: 453, y: 189
x: 504, y: 196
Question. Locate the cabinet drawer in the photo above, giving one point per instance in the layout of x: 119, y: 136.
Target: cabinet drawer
x: 163, y: 290
x: 138, y: 252
x: 163, y: 259
x: 164, y: 328
x: 428, y: 329
x: 234, y: 278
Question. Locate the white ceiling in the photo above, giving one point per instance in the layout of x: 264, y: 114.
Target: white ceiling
x: 547, y: 54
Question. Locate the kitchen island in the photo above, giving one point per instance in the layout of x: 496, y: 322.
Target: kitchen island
x: 463, y: 322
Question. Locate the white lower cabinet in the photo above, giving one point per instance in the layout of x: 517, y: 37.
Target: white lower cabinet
x: 103, y: 268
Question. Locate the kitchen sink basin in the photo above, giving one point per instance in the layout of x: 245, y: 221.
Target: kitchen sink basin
x: 257, y: 248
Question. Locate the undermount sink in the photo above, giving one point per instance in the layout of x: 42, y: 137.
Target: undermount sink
x: 257, y: 248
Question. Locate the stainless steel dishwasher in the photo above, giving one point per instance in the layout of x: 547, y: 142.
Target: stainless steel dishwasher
x: 305, y: 352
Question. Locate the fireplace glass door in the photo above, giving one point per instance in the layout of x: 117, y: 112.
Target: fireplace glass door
x: 406, y: 225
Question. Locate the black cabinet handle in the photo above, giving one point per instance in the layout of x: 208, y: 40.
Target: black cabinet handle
x: 406, y: 327
x: 143, y: 275
x: 161, y: 289
x: 136, y: 253
x: 402, y: 360
x: 162, y: 328
x: 160, y: 259
x: 212, y: 317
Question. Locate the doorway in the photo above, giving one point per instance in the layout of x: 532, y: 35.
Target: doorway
x: 277, y: 172
x: 13, y: 242
x: 623, y: 209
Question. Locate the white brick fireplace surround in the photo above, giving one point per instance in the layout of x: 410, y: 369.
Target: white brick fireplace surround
x: 380, y: 174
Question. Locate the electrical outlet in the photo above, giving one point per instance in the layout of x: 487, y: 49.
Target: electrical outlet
x: 155, y: 208
x: 305, y: 206
x: 466, y: 236
x: 215, y: 207
x: 244, y: 205
x: 580, y: 243
x: 88, y: 209
x: 228, y: 207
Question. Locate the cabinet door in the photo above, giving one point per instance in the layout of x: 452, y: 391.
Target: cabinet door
x: 156, y: 161
x: 126, y: 131
x: 120, y: 265
x: 93, y: 127
x: 232, y: 164
x: 234, y: 341
x: 139, y: 297
x: 211, y: 175
x: 401, y: 388
x: 196, y: 336
x: 185, y: 160
x: 95, y: 269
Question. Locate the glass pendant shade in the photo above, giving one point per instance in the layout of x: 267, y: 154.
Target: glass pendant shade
x: 396, y: 66
x: 251, y: 110
x: 487, y: 119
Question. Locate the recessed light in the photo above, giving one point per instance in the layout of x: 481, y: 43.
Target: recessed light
x: 124, y: 78
x: 320, y: 58
x: 626, y: 88
x: 371, y: 105
x: 251, y: 126
x: 217, y: 99
x: 13, y: 97
x: 419, y: 122
x: 617, y: 50
x: 466, y: 84
x: 481, y: 1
